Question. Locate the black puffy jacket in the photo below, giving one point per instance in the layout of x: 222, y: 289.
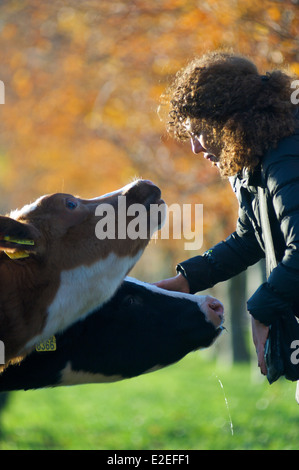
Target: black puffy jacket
x: 279, y: 172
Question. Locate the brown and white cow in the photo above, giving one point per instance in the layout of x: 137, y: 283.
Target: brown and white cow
x: 55, y: 270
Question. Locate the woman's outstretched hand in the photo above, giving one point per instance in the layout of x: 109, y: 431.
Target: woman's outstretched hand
x: 177, y: 283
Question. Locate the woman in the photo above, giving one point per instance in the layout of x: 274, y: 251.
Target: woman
x: 245, y: 124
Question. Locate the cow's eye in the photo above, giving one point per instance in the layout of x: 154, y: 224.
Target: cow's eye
x: 71, y: 204
x: 132, y: 300
x: 129, y: 300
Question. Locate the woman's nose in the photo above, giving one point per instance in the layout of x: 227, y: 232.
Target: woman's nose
x: 196, y: 146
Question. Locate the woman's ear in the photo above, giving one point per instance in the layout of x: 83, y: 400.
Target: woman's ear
x: 17, y: 239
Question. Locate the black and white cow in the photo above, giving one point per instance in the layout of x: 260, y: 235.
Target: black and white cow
x: 141, y: 329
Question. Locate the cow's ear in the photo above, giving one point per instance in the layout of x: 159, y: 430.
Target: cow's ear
x: 17, y: 239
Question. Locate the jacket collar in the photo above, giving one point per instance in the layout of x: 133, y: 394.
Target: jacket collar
x: 248, y: 180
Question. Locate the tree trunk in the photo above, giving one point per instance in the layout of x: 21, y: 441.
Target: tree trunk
x: 239, y: 320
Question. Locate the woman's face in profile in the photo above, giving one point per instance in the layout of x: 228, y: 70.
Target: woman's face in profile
x: 200, y: 144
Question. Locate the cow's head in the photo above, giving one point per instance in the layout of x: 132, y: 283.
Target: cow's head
x: 69, y: 255
x: 69, y: 231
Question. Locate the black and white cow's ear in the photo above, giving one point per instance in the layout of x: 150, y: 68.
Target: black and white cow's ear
x: 17, y: 239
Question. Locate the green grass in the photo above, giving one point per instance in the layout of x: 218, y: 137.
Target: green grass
x: 182, y: 407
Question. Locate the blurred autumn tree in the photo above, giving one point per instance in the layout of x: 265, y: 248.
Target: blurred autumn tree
x: 82, y: 87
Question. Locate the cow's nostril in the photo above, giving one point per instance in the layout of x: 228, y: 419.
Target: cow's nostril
x: 217, y: 307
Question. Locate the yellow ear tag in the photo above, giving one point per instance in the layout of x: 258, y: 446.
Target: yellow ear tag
x: 20, y: 242
x: 17, y: 254
x: 20, y: 253
x: 49, y: 345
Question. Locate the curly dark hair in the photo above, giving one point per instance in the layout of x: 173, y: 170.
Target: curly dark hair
x: 224, y: 95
